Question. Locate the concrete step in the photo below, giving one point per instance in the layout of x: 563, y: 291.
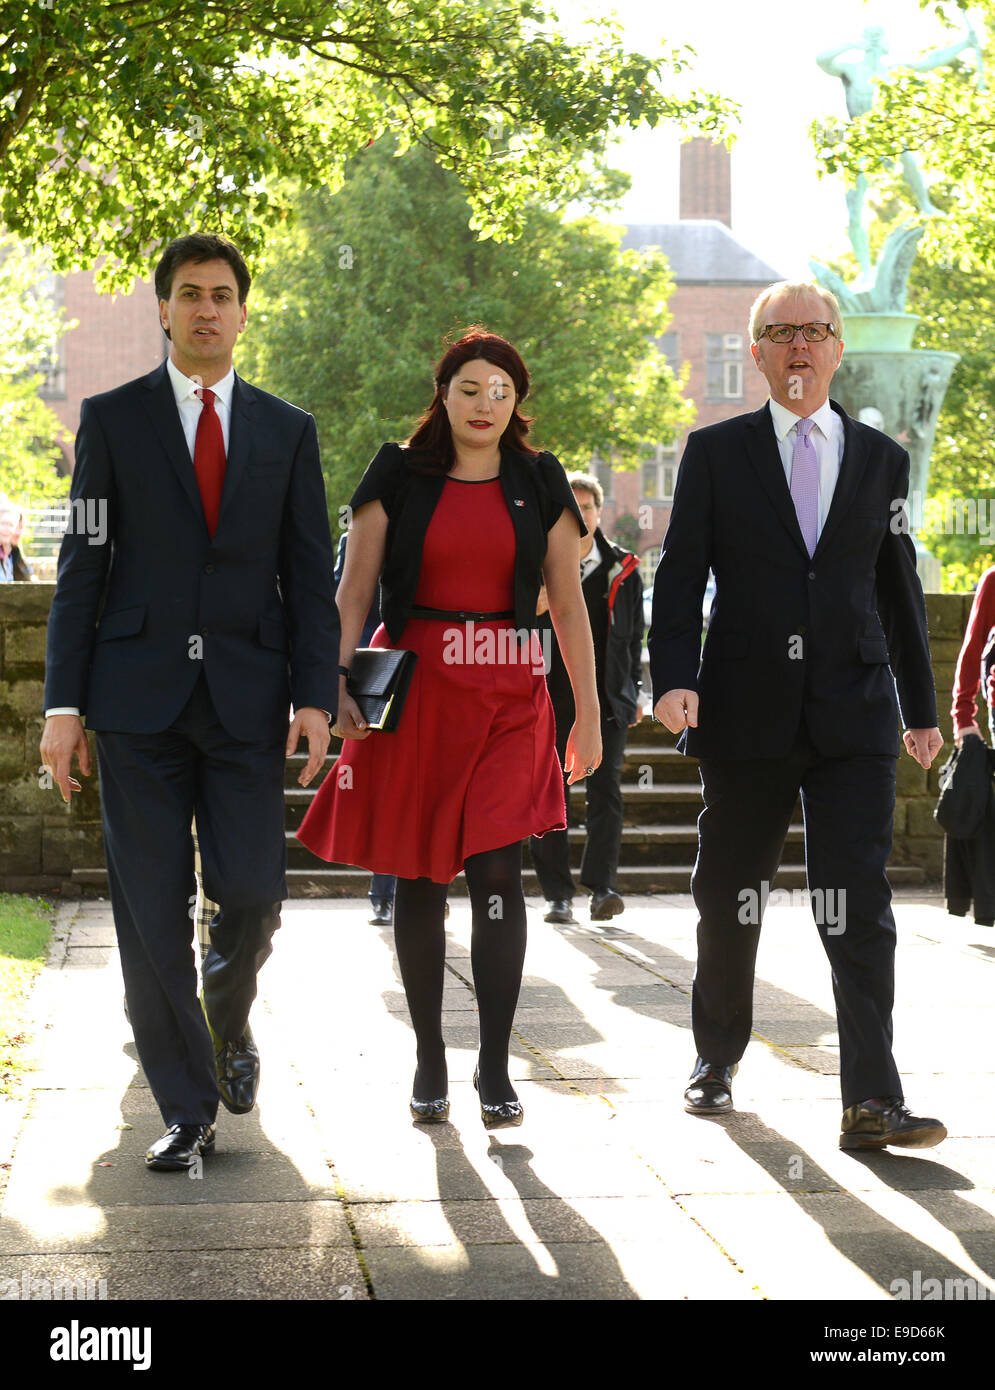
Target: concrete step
x: 354, y: 883
x: 642, y: 846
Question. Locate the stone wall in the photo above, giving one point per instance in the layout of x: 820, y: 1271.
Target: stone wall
x: 42, y: 840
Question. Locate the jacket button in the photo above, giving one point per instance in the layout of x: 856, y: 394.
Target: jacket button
x: 811, y: 574
x: 208, y: 569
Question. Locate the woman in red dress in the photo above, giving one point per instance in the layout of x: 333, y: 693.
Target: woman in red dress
x: 461, y: 527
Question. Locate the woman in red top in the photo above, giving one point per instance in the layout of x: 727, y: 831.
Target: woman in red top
x: 466, y: 520
x: 968, y: 675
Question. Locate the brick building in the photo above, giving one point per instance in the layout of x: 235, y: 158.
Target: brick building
x: 716, y: 281
x: 117, y: 338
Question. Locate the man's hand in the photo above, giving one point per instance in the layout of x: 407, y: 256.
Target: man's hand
x: 313, y: 724
x: 678, y: 709
x: 923, y: 744
x: 63, y: 736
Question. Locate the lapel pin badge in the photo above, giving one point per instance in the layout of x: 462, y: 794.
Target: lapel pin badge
x: 519, y: 502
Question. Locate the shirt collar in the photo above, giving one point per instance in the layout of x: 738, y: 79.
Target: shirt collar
x: 184, y: 386
x: 785, y: 419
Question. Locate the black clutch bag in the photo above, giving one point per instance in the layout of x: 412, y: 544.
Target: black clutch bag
x: 378, y: 681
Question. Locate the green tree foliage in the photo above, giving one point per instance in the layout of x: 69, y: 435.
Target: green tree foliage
x: 29, y: 431
x: 955, y: 301
x: 349, y: 316
x: 958, y: 315
x: 123, y: 122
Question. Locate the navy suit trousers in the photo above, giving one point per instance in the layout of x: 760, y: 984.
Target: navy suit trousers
x: 849, y: 805
x: 152, y: 786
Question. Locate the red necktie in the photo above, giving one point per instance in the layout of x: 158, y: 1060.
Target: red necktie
x: 209, y: 459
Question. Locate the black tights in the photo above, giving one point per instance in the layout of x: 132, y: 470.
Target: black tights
x: 497, y: 954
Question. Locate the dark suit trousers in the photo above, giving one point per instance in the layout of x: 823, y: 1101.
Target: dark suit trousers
x: 152, y: 785
x: 599, y: 865
x: 848, y: 805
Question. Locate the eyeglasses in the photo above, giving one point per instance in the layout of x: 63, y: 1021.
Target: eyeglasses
x: 785, y: 332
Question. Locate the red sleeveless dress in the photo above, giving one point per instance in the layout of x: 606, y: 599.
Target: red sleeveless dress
x: 472, y: 765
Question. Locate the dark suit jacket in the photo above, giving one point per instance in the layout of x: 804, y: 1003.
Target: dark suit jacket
x: 136, y: 618
x: 789, y: 634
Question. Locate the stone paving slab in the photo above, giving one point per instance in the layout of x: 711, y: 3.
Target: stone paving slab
x: 322, y: 1273
x: 608, y: 1191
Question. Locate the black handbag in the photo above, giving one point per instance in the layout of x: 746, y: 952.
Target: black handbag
x: 378, y: 681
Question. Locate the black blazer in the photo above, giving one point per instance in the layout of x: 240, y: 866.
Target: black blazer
x: 790, y: 634
x: 535, y: 491
x: 135, y: 618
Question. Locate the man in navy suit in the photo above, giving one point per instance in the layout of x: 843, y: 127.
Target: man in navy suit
x: 818, y: 613
x: 193, y: 607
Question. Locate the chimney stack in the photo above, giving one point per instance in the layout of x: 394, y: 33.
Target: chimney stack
x: 705, y: 182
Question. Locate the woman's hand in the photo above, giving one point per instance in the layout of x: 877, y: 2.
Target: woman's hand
x: 349, y: 722
x: 583, y: 750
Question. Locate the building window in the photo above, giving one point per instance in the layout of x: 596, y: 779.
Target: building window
x: 667, y: 345
x: 723, y: 366
x: 648, y: 562
x: 660, y: 474
x: 603, y: 472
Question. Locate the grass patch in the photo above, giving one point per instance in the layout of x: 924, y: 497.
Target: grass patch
x: 25, y: 930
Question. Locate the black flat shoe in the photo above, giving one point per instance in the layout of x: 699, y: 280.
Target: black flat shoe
x: 559, y: 911
x: 181, y: 1146
x: 508, y: 1115
x: 886, y: 1120
x: 605, y: 904
x: 709, y: 1092
x: 381, y: 912
x: 430, y: 1112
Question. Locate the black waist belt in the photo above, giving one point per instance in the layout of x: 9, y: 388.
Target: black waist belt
x: 450, y: 616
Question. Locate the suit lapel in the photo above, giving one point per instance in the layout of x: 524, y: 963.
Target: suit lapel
x: 852, y: 466
x: 244, y: 401
x: 160, y: 402
x: 763, y: 453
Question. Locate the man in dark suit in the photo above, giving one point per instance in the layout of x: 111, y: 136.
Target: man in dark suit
x: 193, y: 606
x: 798, y: 510
x: 613, y: 593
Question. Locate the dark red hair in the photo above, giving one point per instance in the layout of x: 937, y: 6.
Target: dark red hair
x: 432, y: 440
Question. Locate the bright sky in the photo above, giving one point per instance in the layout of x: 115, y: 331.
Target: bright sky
x: 763, y: 56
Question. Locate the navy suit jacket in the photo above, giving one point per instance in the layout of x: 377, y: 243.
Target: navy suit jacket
x: 827, y: 636
x: 147, y: 599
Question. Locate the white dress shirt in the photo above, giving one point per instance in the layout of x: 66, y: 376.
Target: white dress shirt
x: 189, y: 404
x: 591, y: 561
x: 827, y: 439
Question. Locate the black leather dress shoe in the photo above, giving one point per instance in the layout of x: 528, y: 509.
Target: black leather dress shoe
x: 709, y: 1092
x: 238, y: 1073
x: 559, y: 911
x: 237, y: 1064
x: 887, y: 1120
x: 381, y: 912
x: 605, y: 904
x: 181, y: 1146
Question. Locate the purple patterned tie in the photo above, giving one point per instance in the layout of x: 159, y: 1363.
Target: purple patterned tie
x: 805, y: 484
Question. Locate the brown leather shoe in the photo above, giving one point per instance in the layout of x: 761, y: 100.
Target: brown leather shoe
x: 709, y: 1092
x: 887, y: 1120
